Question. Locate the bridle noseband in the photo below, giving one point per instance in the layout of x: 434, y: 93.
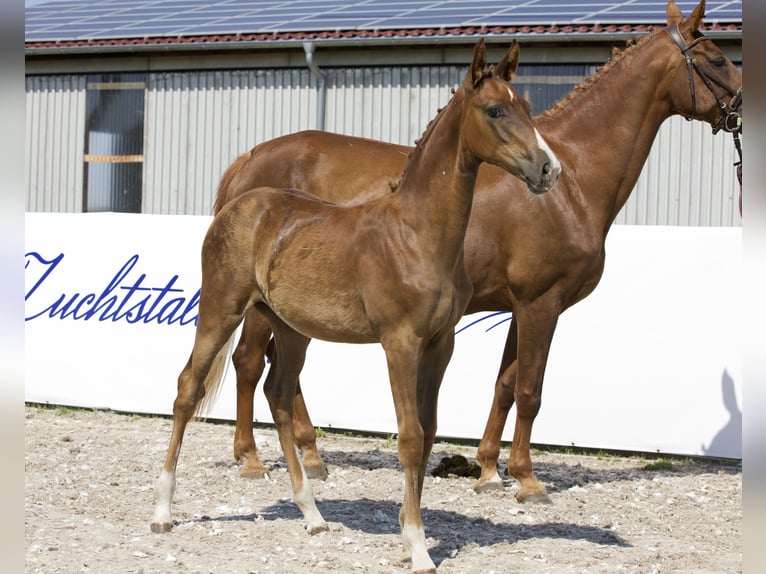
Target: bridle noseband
x: 731, y: 118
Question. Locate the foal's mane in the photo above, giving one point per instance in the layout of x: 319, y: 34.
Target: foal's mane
x: 617, y: 55
x: 420, y: 142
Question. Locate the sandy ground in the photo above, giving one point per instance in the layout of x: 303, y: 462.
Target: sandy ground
x: 89, y: 499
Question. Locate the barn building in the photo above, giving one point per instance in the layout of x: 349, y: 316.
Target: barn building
x: 139, y: 106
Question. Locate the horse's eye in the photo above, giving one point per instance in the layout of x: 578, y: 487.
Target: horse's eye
x: 494, y: 112
x: 719, y: 62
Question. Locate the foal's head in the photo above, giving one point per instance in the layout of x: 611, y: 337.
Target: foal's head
x: 498, y: 124
x: 705, y: 84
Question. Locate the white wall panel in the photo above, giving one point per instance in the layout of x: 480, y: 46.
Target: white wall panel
x: 664, y: 375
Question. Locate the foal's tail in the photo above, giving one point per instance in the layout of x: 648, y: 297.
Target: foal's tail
x: 215, y: 377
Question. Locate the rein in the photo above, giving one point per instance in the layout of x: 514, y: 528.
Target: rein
x: 731, y: 119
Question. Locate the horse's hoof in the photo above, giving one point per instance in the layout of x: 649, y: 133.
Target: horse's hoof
x: 534, y: 498
x: 317, y: 528
x: 426, y: 571
x: 487, y: 486
x: 160, y: 527
x: 316, y: 472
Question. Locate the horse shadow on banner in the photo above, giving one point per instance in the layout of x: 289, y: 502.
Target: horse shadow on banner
x: 729, y: 439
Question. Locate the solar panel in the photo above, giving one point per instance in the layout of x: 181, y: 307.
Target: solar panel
x: 63, y: 20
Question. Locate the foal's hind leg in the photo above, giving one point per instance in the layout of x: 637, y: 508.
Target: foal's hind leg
x: 303, y: 430
x: 280, y: 388
x: 213, y: 331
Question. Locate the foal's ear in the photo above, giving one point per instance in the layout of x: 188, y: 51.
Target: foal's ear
x: 476, y: 73
x: 506, y: 68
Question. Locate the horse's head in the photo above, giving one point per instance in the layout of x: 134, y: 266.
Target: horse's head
x: 706, y: 85
x: 498, y: 124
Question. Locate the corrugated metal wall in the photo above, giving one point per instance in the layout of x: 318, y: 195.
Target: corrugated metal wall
x: 198, y: 122
x: 392, y: 104
x: 689, y: 179
x: 54, y: 143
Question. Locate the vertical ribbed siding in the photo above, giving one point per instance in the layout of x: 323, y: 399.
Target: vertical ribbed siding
x: 55, y: 143
x: 392, y: 104
x: 198, y: 122
x: 688, y: 180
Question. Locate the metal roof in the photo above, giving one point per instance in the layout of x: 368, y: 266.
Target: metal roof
x: 73, y: 23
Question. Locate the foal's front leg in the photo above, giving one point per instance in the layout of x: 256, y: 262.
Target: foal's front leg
x: 403, y: 360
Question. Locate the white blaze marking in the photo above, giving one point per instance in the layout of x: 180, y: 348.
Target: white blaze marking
x: 555, y: 164
x: 510, y: 92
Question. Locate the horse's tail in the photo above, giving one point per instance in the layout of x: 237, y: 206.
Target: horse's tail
x: 215, y: 377
x: 222, y: 196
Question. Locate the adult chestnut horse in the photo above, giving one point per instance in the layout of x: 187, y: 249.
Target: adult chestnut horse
x: 534, y: 256
x: 389, y: 271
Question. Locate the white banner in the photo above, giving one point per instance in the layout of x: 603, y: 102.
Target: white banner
x: 650, y: 361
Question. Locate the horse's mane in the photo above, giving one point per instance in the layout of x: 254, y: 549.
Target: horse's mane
x: 617, y: 55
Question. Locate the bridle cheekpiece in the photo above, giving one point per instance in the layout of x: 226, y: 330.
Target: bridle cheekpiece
x: 731, y: 112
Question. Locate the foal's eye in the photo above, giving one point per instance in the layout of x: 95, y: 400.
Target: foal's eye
x: 494, y: 112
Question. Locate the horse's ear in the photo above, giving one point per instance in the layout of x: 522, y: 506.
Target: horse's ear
x: 476, y: 73
x: 696, y: 18
x: 674, y: 13
x: 506, y: 68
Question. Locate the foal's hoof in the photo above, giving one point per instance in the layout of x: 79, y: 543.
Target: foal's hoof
x: 317, y: 528
x: 316, y: 472
x: 160, y: 527
x: 253, y: 473
x: 253, y: 469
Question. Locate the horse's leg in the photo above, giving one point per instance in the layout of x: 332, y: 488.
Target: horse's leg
x: 280, y: 388
x: 536, y: 324
x: 249, y: 361
x: 489, y: 448
x: 213, y: 330
x: 403, y: 358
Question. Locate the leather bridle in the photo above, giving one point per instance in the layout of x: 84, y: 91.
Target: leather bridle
x: 731, y: 112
